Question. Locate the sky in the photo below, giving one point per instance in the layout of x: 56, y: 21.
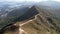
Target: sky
x: 28, y: 0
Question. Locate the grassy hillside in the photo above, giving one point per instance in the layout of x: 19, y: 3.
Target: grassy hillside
x: 42, y: 23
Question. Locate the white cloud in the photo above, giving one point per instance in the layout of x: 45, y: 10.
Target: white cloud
x: 23, y: 0
x: 57, y: 0
x: 28, y: 0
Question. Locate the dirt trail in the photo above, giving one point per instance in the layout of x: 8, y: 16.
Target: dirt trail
x: 21, y: 30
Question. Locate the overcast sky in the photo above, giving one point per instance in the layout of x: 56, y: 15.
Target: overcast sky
x: 27, y: 0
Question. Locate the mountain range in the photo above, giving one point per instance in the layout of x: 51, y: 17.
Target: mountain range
x: 48, y: 15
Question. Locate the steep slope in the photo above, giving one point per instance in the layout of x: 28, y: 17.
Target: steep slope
x: 18, y: 15
x: 43, y: 23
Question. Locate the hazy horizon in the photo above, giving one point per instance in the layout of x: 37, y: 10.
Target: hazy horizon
x: 27, y: 0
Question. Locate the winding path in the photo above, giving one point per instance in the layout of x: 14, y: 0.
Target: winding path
x: 21, y: 30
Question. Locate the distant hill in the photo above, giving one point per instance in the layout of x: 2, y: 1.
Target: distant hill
x: 53, y: 4
x: 50, y: 6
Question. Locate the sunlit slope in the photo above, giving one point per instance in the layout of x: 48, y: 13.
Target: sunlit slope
x: 44, y: 23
